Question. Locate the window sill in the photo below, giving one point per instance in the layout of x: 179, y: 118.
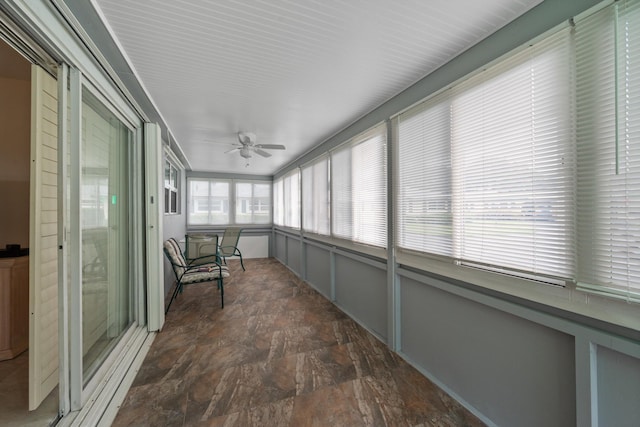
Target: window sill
x: 568, y: 298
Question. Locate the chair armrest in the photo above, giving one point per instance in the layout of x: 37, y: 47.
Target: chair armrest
x: 205, y: 259
x: 234, y: 249
x: 204, y: 267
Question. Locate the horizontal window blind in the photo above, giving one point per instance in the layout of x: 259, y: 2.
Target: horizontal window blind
x: 513, y: 166
x: 208, y: 202
x: 486, y: 168
x: 424, y: 182
x: 608, y: 150
x: 315, y: 196
x: 359, y: 189
x: 278, y: 201
x: 291, y: 199
x: 253, y: 203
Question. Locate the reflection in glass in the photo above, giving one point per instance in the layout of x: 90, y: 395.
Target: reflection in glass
x: 106, y: 288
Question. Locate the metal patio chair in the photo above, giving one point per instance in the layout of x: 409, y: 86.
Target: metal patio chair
x: 189, y: 272
x: 229, y: 245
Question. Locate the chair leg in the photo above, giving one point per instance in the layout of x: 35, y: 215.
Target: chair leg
x: 221, y: 286
x: 174, y: 295
x: 242, y: 264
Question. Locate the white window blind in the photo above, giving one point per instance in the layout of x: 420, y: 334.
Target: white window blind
x: 513, y: 165
x: 315, y: 196
x: 424, y: 190
x: 253, y: 203
x: 608, y: 150
x: 291, y: 199
x: 278, y: 201
x: 492, y: 159
x: 208, y: 202
x: 359, y: 189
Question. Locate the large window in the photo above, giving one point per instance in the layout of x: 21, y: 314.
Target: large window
x: 608, y: 150
x: 208, y: 202
x: 286, y: 193
x: 531, y: 167
x: 486, y: 168
x: 315, y: 196
x: 359, y: 189
x: 170, y: 188
x: 253, y: 203
x: 224, y: 201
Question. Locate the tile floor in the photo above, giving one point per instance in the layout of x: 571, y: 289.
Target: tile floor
x: 14, y: 396
x: 279, y: 354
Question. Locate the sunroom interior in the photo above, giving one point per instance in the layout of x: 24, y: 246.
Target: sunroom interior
x: 480, y: 217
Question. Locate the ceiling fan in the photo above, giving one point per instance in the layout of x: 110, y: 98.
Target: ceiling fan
x: 247, y: 145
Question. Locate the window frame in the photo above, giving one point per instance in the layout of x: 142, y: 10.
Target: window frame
x: 171, y: 189
x: 284, y: 214
x: 355, y: 238
x: 229, y: 201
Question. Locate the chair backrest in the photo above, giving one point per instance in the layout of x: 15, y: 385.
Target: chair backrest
x: 230, y: 241
x: 200, y: 245
x: 174, y: 253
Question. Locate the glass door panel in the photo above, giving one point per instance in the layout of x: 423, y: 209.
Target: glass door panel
x: 107, y: 294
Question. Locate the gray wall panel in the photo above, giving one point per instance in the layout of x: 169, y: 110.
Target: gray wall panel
x: 280, y: 248
x: 618, y: 389
x: 361, y: 290
x: 293, y: 254
x: 319, y: 269
x: 515, y: 372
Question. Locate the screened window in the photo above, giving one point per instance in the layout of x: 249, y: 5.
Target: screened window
x: 532, y: 166
x: 486, y: 168
x: 359, y: 189
x: 278, y: 201
x: 224, y: 201
x: 315, y: 197
x: 208, y: 202
x: 286, y: 195
x: 170, y: 188
x: 608, y: 150
x: 253, y: 203
x: 291, y: 199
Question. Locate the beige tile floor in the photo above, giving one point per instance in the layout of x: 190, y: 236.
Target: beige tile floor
x: 14, y: 397
x: 278, y: 354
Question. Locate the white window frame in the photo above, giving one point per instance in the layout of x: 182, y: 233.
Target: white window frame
x: 286, y: 196
x: 366, y: 227
x: 171, y: 189
x: 231, y: 201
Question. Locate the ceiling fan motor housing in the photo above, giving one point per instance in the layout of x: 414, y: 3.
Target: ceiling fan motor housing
x: 245, y: 152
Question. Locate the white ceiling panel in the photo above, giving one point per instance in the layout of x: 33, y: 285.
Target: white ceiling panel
x: 294, y: 72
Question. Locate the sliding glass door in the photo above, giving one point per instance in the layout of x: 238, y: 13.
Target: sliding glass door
x: 106, y: 289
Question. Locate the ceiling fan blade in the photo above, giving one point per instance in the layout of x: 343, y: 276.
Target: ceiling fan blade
x: 270, y: 146
x: 261, y: 152
x: 233, y: 150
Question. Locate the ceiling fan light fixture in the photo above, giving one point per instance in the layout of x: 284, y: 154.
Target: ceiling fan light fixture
x: 245, y: 152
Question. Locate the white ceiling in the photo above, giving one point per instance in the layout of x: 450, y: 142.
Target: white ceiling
x: 293, y: 72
